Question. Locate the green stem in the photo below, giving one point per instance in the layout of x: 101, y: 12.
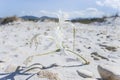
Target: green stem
x: 51, y: 52
x: 86, y: 62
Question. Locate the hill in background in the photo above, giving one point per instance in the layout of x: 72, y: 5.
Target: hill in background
x: 53, y: 19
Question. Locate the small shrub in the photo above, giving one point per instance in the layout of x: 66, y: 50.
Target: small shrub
x: 9, y: 20
x: 88, y: 20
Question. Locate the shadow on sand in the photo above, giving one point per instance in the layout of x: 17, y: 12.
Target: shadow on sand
x: 23, y: 71
x: 11, y: 76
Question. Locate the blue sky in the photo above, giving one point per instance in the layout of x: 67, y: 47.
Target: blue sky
x: 80, y: 8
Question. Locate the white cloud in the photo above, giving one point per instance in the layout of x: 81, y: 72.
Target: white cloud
x: 109, y: 3
x: 89, y: 12
x: 91, y: 9
x: 99, y: 3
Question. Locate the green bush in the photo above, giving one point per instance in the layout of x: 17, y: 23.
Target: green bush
x: 88, y: 20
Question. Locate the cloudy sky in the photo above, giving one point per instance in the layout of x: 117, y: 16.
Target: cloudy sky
x: 74, y: 8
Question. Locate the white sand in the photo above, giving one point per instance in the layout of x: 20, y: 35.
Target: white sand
x: 15, y: 48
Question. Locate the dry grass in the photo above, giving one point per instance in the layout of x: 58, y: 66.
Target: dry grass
x: 9, y: 20
x: 48, y: 74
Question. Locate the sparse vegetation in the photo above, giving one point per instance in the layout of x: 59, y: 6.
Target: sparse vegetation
x: 9, y: 20
x: 92, y: 20
x: 88, y: 20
